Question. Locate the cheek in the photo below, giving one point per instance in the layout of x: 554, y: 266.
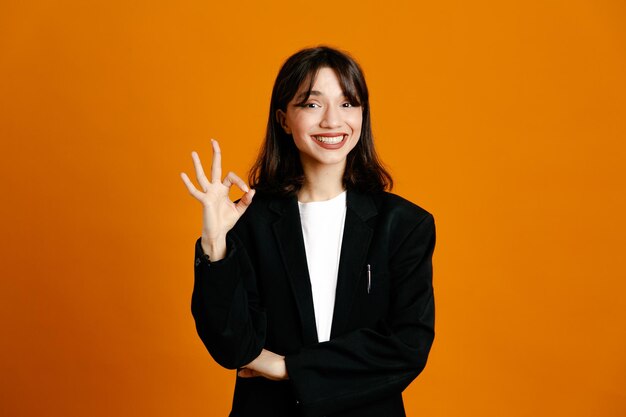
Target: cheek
x: 300, y: 138
x: 356, y: 123
x: 301, y: 123
x: 356, y: 120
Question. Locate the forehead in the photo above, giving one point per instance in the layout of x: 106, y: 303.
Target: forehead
x: 324, y: 82
x: 326, y: 76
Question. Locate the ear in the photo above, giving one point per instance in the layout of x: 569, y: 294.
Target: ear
x: 281, y: 117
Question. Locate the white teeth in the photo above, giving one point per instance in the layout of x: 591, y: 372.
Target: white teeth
x: 328, y: 139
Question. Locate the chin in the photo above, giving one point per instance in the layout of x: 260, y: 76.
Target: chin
x: 332, y: 161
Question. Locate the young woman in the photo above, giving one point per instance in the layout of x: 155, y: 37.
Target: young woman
x: 317, y: 284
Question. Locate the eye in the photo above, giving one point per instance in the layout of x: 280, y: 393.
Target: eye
x: 347, y: 105
x: 311, y: 105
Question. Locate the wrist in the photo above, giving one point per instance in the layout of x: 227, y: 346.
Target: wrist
x: 215, y: 248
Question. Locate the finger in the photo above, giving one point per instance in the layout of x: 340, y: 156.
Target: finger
x: 216, y: 167
x: 202, y: 179
x: 247, y: 373
x: 232, y: 178
x: 245, y: 201
x: 192, y: 188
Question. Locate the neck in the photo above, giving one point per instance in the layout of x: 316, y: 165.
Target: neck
x: 321, y: 183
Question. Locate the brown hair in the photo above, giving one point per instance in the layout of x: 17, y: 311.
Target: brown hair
x: 277, y: 169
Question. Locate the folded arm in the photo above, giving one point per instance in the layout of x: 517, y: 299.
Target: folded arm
x: 369, y: 364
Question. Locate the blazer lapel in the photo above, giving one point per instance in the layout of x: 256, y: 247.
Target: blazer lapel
x: 357, y: 235
x: 288, y: 233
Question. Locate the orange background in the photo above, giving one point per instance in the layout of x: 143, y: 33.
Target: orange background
x: 505, y: 119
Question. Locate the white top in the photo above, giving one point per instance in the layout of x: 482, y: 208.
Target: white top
x: 322, y: 228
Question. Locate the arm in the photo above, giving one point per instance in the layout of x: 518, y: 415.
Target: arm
x: 225, y: 306
x: 224, y: 301
x: 365, y: 365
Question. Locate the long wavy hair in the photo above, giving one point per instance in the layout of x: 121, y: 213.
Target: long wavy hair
x: 277, y: 169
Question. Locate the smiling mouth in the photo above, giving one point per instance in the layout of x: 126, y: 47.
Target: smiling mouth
x: 330, y: 140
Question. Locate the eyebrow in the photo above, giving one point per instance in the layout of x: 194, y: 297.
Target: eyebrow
x: 305, y: 94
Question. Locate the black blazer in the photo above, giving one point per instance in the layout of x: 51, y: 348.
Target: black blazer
x: 259, y: 296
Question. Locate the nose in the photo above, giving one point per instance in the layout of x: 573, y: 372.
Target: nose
x: 331, y: 118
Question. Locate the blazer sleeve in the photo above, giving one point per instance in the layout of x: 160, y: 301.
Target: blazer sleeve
x: 366, y: 364
x: 225, y: 306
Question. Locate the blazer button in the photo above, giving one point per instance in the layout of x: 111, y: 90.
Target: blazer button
x: 198, y: 261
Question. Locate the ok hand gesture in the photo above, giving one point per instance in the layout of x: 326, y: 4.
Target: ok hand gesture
x: 219, y: 214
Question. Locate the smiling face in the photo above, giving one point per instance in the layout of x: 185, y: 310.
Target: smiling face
x: 326, y: 126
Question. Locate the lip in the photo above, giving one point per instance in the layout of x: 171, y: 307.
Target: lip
x: 330, y: 135
x: 328, y: 145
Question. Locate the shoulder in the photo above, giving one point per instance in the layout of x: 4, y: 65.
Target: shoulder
x: 400, y: 209
x: 262, y: 210
x: 409, y: 226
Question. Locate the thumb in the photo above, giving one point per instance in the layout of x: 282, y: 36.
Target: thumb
x: 246, y: 373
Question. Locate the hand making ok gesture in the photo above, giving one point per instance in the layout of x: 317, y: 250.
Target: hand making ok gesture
x: 219, y: 213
